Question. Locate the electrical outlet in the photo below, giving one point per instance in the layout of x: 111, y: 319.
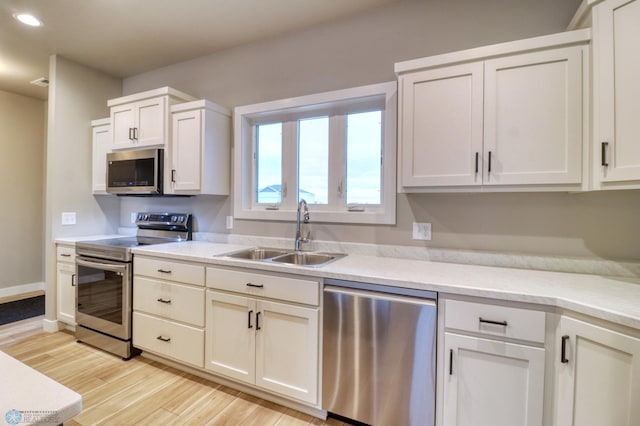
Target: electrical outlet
x: 68, y: 218
x: 421, y: 231
x: 229, y: 222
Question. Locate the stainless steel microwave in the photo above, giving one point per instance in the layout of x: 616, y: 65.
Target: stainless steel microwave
x: 136, y: 172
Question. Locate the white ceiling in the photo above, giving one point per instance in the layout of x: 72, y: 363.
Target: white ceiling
x: 127, y: 37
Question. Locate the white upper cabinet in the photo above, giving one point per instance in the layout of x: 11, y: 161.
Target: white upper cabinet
x: 142, y: 120
x: 496, y: 117
x: 101, y: 139
x: 616, y: 95
x: 441, y: 122
x: 533, y: 118
x: 199, y: 157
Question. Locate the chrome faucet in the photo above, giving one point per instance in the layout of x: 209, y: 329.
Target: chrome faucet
x: 304, y: 210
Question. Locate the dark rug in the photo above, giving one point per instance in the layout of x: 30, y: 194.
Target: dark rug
x: 21, y: 309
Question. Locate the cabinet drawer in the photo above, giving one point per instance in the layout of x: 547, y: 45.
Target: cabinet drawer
x: 167, y: 338
x: 169, y: 270
x: 172, y: 301
x: 66, y: 254
x: 515, y: 323
x: 287, y: 288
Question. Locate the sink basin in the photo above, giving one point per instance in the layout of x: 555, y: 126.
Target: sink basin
x: 306, y: 258
x: 300, y: 258
x: 257, y: 253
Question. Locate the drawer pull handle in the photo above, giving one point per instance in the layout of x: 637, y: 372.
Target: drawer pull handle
x: 255, y: 285
x: 161, y: 300
x: 603, y: 154
x: 258, y: 321
x: 450, y: 362
x: 249, y: 325
x: 563, y: 350
x: 65, y: 255
x: 164, y: 339
x: 486, y: 321
x: 164, y: 271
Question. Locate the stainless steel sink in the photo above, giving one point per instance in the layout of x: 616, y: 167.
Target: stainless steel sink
x: 300, y: 258
x: 258, y: 253
x: 307, y: 258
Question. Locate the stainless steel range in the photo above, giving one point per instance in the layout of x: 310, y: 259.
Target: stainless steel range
x: 104, y: 280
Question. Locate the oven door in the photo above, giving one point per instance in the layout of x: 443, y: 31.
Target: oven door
x: 103, y: 293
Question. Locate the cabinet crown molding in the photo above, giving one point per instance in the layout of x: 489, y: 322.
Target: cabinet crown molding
x: 568, y: 38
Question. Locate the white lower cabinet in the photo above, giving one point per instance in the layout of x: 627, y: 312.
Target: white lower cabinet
x: 169, y: 338
x: 270, y: 344
x: 168, y: 309
x: 492, y: 383
x: 597, y: 376
x: 488, y: 379
x: 65, y: 283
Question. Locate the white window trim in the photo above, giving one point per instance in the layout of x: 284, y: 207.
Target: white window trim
x: 244, y: 118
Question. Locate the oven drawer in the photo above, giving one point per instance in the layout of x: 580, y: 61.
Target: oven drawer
x: 169, y: 339
x: 495, y: 320
x: 66, y: 254
x: 172, y: 301
x: 169, y: 270
x: 288, y: 288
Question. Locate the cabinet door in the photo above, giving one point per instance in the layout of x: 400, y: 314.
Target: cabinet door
x: 599, y: 382
x: 186, y: 147
x: 122, y: 121
x: 151, y: 123
x: 101, y: 146
x: 66, y: 292
x: 230, y: 336
x: 287, y: 350
x: 616, y: 97
x: 492, y: 383
x: 441, y: 126
x: 533, y: 118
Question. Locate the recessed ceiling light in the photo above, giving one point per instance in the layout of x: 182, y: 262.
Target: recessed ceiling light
x: 27, y: 19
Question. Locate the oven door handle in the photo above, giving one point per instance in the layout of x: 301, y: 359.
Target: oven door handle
x: 113, y: 267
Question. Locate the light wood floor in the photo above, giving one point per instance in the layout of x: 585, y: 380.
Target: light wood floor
x: 138, y: 391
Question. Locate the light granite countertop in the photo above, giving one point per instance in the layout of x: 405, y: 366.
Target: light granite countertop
x: 613, y: 299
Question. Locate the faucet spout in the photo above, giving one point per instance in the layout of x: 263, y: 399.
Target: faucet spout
x: 302, y: 217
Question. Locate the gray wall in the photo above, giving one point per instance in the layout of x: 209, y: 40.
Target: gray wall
x: 22, y: 135
x: 362, y: 50
x: 77, y: 95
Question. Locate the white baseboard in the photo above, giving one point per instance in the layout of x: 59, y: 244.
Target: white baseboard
x: 21, y: 289
x: 52, y: 326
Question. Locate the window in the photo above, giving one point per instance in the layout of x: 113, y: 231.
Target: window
x: 335, y: 150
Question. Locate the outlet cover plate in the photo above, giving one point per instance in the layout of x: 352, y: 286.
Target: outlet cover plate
x: 68, y: 218
x: 422, y: 231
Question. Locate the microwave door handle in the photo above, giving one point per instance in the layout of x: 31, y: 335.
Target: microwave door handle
x: 102, y: 265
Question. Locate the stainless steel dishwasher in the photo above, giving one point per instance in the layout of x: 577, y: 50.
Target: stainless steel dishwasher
x: 379, y: 353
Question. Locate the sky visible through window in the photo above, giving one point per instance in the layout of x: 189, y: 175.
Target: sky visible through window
x: 363, y: 160
x: 269, y: 162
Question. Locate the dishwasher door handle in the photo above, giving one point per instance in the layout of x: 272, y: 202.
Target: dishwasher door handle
x: 372, y: 294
